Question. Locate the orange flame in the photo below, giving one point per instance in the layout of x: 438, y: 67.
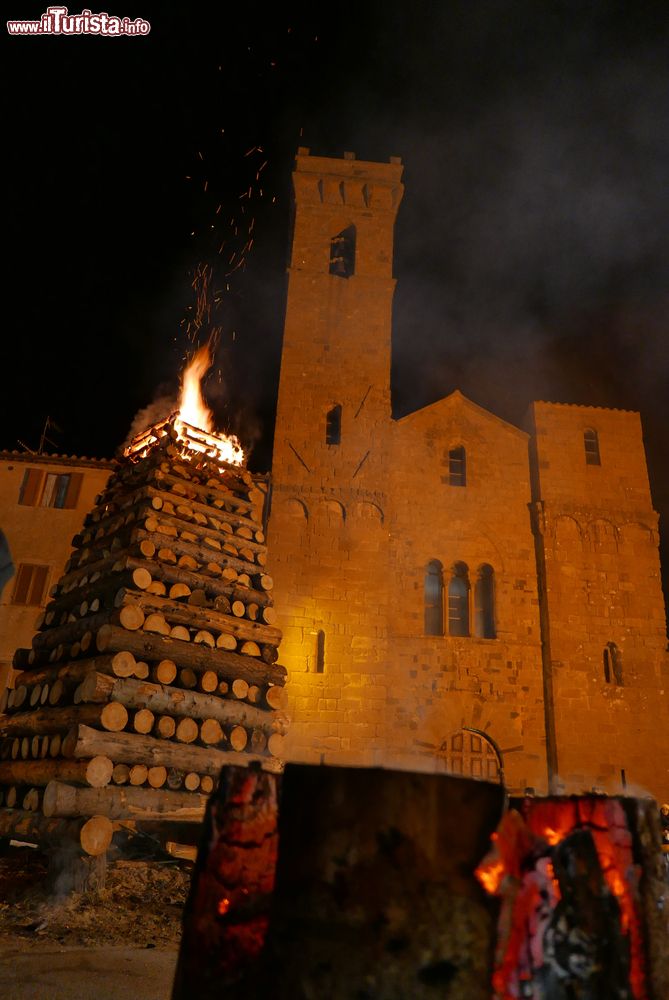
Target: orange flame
x: 194, y: 412
x: 192, y: 407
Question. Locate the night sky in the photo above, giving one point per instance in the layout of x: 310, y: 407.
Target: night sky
x: 532, y: 246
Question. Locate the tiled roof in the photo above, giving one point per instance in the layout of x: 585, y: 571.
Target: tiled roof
x: 27, y: 456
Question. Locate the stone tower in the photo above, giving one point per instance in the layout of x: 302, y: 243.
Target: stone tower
x: 334, y: 393
x: 603, y: 618
x: 331, y: 451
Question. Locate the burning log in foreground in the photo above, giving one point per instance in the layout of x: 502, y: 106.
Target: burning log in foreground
x: 584, y: 910
x: 155, y: 662
x: 375, y: 892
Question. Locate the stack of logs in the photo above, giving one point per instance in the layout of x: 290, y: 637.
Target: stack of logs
x: 155, y: 663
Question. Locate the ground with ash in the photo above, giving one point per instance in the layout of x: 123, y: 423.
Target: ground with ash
x: 141, y: 904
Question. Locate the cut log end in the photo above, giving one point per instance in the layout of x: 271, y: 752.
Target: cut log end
x: 95, y: 835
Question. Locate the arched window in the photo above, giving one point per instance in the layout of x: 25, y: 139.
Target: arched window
x: 613, y: 664
x: 458, y: 600
x: 484, y: 603
x: 333, y: 425
x: 342, y: 253
x: 457, y: 467
x: 591, y: 442
x: 434, y: 599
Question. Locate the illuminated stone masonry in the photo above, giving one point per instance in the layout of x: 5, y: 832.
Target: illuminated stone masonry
x: 454, y: 593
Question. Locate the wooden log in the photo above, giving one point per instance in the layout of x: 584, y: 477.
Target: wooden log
x: 142, y: 670
x: 31, y: 800
x: 121, y: 774
x: 120, y: 664
x: 186, y: 731
x: 99, y: 593
x: 208, y: 682
x: 275, y: 698
x: 275, y: 744
x: 122, y: 802
x: 206, y: 784
x: 240, y: 688
x: 47, y: 641
x: 128, y: 748
x: 194, y: 617
x: 191, y: 781
x: 138, y: 774
x: 188, y: 563
x: 20, y: 696
x: 96, y: 772
x: 225, y: 641
x: 112, y: 716
x: 94, y: 835
x: 56, y: 692
x: 143, y: 721
x: 157, y: 776
x: 157, y: 587
x: 228, y: 666
x: 178, y: 590
x: 165, y: 727
x: 258, y: 740
x: 185, y: 572
x: 157, y: 623
x: 249, y: 648
x: 173, y: 701
x: 180, y: 632
x: 211, y: 732
x: 175, y: 779
x: 205, y: 637
x: 200, y: 552
x: 238, y: 738
x: 188, y: 678
x: 165, y: 672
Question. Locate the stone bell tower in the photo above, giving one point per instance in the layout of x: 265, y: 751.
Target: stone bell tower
x: 334, y: 392
x: 329, y: 524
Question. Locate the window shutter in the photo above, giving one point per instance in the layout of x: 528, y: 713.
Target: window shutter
x: 22, y: 584
x: 38, y: 584
x: 73, y: 490
x: 30, y: 487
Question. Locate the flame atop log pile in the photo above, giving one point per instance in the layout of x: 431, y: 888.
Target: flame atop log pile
x: 155, y: 662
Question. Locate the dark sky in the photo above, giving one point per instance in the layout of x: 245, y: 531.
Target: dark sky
x: 532, y: 247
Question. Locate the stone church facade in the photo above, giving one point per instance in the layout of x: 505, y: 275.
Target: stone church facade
x: 456, y: 593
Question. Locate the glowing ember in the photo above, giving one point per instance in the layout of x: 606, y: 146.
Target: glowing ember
x: 223, y: 906
x: 538, y: 858
x: 491, y: 876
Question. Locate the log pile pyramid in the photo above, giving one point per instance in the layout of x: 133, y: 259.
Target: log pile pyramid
x: 155, y: 662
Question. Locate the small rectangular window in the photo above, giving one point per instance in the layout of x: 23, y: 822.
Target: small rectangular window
x: 591, y: 442
x: 457, y: 467
x: 30, y: 487
x: 320, y: 651
x: 61, y: 491
x: 30, y: 584
x: 333, y: 425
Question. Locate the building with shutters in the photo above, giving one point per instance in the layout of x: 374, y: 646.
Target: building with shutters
x: 43, y: 502
x: 455, y: 592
